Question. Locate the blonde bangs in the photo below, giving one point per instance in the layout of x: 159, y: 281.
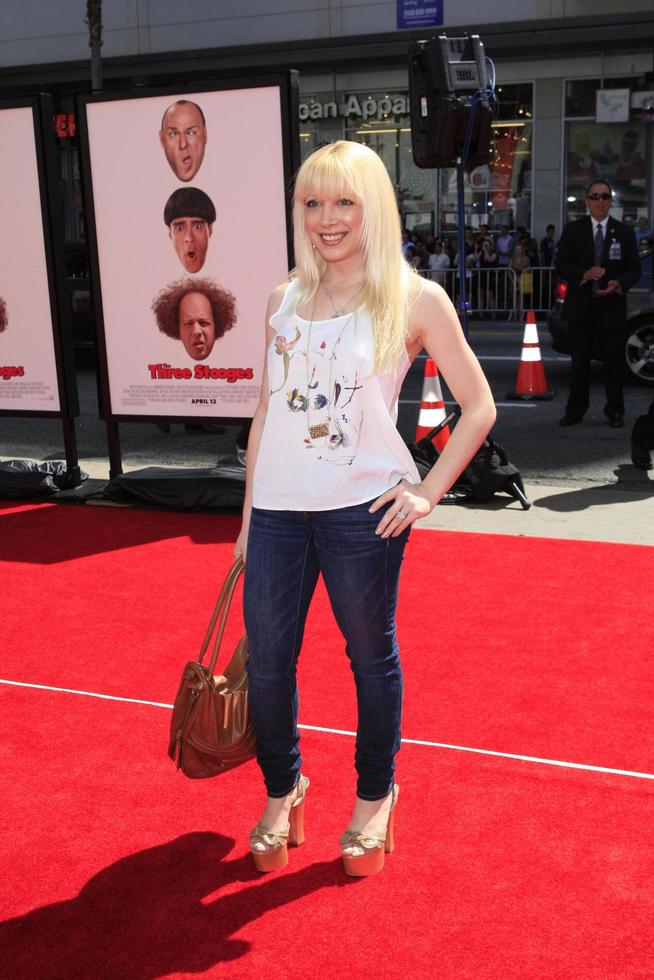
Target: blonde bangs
x: 348, y: 169
x: 329, y: 173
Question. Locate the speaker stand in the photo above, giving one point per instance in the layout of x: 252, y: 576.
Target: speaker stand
x: 463, y: 292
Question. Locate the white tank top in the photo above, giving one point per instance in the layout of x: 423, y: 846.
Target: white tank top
x: 330, y: 438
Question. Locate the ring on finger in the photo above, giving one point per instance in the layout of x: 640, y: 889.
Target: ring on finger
x: 401, y: 515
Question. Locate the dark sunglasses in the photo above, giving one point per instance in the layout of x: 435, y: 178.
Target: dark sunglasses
x: 599, y: 197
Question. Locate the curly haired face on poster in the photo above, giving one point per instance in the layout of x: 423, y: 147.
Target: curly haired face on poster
x: 197, y: 312
x: 28, y: 370
x: 187, y: 262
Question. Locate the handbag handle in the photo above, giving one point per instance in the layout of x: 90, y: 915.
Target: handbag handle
x: 220, y: 612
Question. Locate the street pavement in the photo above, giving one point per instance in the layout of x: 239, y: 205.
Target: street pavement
x: 580, y: 480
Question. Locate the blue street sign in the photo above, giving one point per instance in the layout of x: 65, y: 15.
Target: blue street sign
x: 419, y: 13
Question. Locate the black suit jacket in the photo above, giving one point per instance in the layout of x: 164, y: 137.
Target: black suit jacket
x: 576, y: 253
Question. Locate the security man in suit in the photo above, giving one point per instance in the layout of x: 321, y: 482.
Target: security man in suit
x: 598, y: 258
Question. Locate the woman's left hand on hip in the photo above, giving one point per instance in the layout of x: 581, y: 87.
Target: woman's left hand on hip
x: 409, y: 502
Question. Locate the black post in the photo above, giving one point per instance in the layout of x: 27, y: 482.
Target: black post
x: 73, y: 473
x: 113, y: 442
x: 63, y: 338
x: 94, y: 22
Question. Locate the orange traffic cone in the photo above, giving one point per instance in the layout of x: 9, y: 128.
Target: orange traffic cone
x: 531, y: 383
x: 432, y: 407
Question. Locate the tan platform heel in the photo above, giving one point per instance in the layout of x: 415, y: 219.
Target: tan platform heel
x: 374, y: 848
x: 276, y: 843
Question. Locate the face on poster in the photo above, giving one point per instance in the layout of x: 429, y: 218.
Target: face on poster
x: 188, y: 194
x: 28, y: 369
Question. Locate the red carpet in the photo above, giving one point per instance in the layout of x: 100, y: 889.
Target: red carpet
x: 116, y: 866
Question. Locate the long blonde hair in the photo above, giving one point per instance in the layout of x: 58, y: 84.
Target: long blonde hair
x: 346, y: 169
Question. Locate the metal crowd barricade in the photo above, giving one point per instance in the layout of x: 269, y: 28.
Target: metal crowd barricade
x: 489, y: 292
x: 500, y: 291
x: 536, y: 289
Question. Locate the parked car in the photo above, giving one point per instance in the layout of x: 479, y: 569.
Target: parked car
x: 639, y: 334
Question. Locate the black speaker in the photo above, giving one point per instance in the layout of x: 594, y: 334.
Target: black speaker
x: 448, y: 84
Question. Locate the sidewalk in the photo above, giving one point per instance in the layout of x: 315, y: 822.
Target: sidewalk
x: 571, y: 511
x: 568, y: 510
x: 580, y: 482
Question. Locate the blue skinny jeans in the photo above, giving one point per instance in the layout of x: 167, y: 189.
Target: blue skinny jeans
x: 287, y: 550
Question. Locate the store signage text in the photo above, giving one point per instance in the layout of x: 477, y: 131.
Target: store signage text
x: 418, y: 13
x: 355, y: 108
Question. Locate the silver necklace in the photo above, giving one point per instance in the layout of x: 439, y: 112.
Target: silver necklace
x: 321, y: 429
x: 339, y: 311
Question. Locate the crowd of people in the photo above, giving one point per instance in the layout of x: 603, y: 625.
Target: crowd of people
x: 491, y: 292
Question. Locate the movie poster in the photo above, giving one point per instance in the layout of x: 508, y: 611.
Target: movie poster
x: 607, y: 151
x: 616, y: 152
x: 28, y: 369
x: 189, y: 212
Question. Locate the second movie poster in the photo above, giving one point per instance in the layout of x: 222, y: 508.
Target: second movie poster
x: 190, y: 224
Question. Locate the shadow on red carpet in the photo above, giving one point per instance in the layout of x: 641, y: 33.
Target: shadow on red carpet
x: 144, y: 916
x: 46, y: 534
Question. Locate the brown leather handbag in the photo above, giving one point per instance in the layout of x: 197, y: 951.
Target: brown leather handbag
x: 211, y: 729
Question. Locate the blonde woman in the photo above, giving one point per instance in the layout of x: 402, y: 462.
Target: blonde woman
x: 331, y: 486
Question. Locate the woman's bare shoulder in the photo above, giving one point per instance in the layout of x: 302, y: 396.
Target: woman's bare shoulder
x: 425, y: 295
x: 431, y: 309
x: 276, y: 298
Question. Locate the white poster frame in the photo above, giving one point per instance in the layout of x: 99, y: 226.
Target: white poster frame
x: 36, y: 362
x: 148, y: 369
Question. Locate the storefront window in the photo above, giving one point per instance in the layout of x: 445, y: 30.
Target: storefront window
x: 417, y: 189
x: 607, y: 151
x: 613, y: 151
x: 381, y: 121
x: 497, y: 193
x: 580, y: 93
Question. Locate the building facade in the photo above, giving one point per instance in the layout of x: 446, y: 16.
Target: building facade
x: 574, y: 81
